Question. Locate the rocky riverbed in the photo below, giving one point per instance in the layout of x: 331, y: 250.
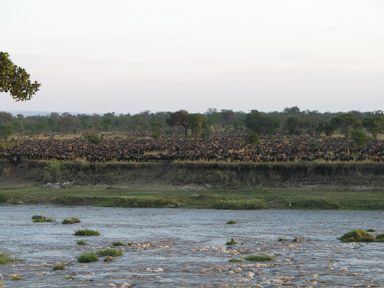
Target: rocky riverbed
x: 187, y: 248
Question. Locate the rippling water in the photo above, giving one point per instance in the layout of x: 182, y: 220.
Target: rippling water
x: 186, y: 248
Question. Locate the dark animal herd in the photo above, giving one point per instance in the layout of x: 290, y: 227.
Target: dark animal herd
x: 222, y: 147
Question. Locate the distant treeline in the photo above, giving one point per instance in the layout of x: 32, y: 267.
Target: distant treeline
x: 291, y: 121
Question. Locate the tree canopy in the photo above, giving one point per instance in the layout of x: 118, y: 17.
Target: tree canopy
x: 15, y: 80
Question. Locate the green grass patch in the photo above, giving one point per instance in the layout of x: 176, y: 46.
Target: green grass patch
x: 43, y: 220
x: 370, y: 230
x: 86, y: 232
x: 235, y: 260
x: 16, y: 278
x: 256, y: 258
x: 87, y: 257
x: 5, y: 258
x: 109, y: 252
x: 68, y: 221
x: 81, y: 242
x: 232, y: 242
x: 240, y: 205
x: 117, y: 243
x: 357, y: 236
x: 59, y: 267
x: 232, y: 222
x: 130, y: 243
x: 282, y: 239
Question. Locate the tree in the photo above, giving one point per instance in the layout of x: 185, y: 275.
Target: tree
x: 15, y: 80
x: 261, y: 123
x: 374, y: 125
x: 179, y: 118
x: 228, y: 115
x: 196, y: 122
x: 252, y: 138
x: 5, y: 131
x: 156, y: 129
x: 344, y: 121
x: 359, y: 137
x: 293, y: 125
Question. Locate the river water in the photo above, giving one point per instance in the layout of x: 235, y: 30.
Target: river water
x: 187, y: 248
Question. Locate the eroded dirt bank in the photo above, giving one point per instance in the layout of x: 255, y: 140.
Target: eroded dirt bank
x: 340, y: 174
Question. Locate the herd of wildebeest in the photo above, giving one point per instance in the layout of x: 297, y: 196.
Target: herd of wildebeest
x: 223, y: 147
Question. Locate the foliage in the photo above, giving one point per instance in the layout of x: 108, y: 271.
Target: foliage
x: 293, y: 125
x: 86, y: 232
x: 179, y: 118
x: 371, y: 230
x: 59, y: 267
x: 5, y: 258
x: 94, y: 139
x: 257, y: 258
x: 252, y: 138
x: 87, y: 257
x: 232, y: 222
x: 110, y: 252
x: 117, y: 243
x: 68, y: 221
x: 5, y: 131
x: 15, y: 80
x: 197, y: 122
x: 81, y: 242
x: 232, y: 242
x: 261, y: 123
x: 235, y: 260
x: 43, y: 220
x: 344, y: 121
x: 357, y: 236
x: 359, y: 137
x: 374, y: 125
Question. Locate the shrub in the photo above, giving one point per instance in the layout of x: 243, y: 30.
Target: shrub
x: 232, y: 222
x: 81, y: 242
x: 5, y: 258
x: 43, y: 220
x: 130, y: 243
x: 87, y: 257
x: 252, y: 138
x: 59, y: 267
x: 68, y: 221
x: 235, y: 260
x: 94, y: 139
x: 282, y: 239
x: 370, y: 230
x: 117, y: 243
x: 110, y: 252
x: 259, y: 258
x: 357, y: 236
x: 232, y: 242
x: 87, y: 232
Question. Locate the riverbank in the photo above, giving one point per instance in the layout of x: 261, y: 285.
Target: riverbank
x: 197, y: 185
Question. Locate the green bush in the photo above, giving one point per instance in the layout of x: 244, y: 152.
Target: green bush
x: 110, y: 252
x: 232, y: 222
x: 357, y: 236
x: 259, y: 258
x: 81, y: 242
x: 94, y: 139
x: 117, y: 243
x: 87, y: 257
x: 87, y: 232
x: 43, y: 220
x: 68, y: 221
x: 235, y: 260
x: 232, y: 242
x: 59, y: 267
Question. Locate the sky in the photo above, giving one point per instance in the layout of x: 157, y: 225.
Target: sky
x: 130, y: 56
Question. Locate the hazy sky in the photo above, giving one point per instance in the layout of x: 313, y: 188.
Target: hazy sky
x: 166, y: 55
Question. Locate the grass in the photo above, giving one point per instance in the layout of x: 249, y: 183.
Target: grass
x: 59, y: 267
x: 256, y: 258
x: 109, y: 252
x: 117, y: 243
x: 16, y: 278
x: 232, y: 242
x: 43, y: 220
x: 87, y: 257
x: 232, y: 222
x: 235, y: 260
x: 81, y: 242
x: 68, y: 221
x: 5, y: 258
x: 87, y: 232
x: 282, y: 239
x: 241, y: 197
x: 130, y: 243
x: 357, y: 236
x: 370, y: 230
